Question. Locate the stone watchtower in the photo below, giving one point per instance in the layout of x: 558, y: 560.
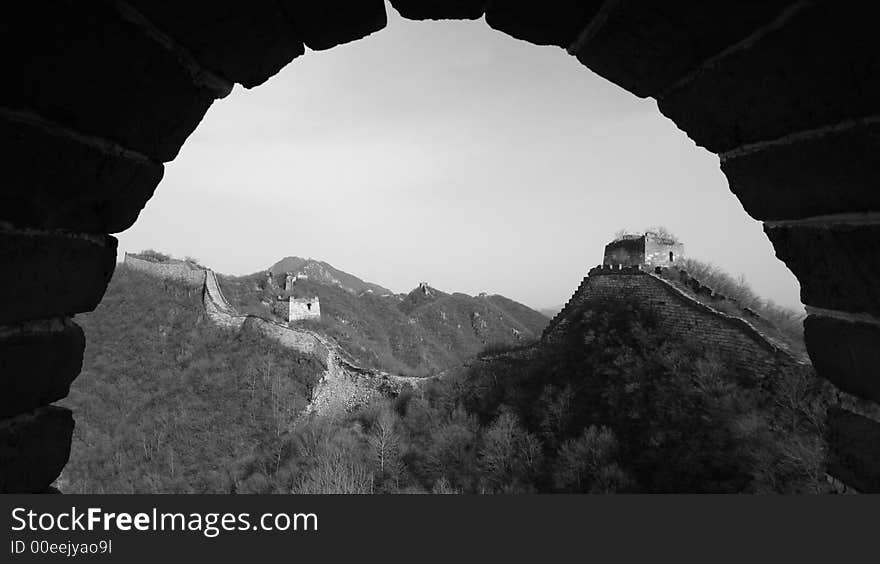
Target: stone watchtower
x: 304, y: 308
x: 297, y: 308
x: 647, y: 249
x: 291, y: 278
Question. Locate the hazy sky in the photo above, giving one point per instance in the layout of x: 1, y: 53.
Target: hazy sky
x: 449, y: 153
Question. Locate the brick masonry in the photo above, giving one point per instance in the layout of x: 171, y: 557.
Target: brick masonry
x: 179, y: 271
x: 677, y: 313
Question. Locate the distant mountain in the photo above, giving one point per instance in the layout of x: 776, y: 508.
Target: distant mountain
x: 419, y: 333
x: 325, y: 273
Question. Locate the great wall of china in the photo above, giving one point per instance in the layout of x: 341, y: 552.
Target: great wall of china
x: 679, y: 313
x: 343, y: 386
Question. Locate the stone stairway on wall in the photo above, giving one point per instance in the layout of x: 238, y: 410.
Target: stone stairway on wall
x: 217, y: 307
x: 561, y: 317
x: 745, y: 325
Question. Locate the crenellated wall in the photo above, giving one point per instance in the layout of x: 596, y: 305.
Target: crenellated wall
x: 343, y: 386
x: 218, y: 309
x: 302, y: 341
x: 177, y: 270
x: 677, y: 313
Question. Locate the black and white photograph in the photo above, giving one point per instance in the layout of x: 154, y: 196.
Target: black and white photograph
x: 495, y: 248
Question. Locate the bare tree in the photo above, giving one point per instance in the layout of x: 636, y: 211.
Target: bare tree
x: 623, y: 234
x: 586, y: 463
x: 663, y: 233
x: 335, y: 471
x: 384, y: 441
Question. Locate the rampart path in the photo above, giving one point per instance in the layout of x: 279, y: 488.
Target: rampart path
x: 680, y: 314
x: 343, y: 386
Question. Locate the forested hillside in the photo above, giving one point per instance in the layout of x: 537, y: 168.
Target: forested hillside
x: 167, y: 402
x: 617, y: 406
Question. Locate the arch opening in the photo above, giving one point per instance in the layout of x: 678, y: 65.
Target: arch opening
x: 779, y: 148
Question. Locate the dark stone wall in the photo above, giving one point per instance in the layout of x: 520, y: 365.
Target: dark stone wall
x: 34, y: 447
x: 846, y: 353
x: 244, y: 42
x: 853, y: 455
x: 819, y: 174
x: 133, y: 93
x: 43, y: 273
x: 65, y: 180
x: 626, y: 252
x: 38, y: 362
x: 817, y: 67
x: 836, y: 265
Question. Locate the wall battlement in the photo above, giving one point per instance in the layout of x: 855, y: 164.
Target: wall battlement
x: 615, y: 269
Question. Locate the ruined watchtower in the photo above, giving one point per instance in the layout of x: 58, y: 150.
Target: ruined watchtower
x: 303, y: 308
x: 646, y: 249
x: 291, y: 278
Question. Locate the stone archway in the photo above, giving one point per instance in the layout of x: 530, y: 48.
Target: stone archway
x: 100, y: 94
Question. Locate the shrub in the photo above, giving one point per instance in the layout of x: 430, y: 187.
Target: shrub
x: 154, y: 256
x: 786, y: 320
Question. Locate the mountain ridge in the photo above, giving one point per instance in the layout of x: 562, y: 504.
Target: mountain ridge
x: 419, y: 333
x: 324, y: 271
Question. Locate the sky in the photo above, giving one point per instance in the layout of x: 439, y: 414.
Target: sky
x: 449, y: 153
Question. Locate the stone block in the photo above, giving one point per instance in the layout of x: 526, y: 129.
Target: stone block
x: 323, y: 25
x: 818, y: 68
x: 245, y: 42
x: 555, y: 22
x: 54, y: 180
x: 647, y: 46
x: 89, y: 69
x: 846, y: 353
x: 52, y: 274
x: 835, y: 173
x: 853, y: 456
x: 439, y: 9
x: 34, y: 447
x: 838, y: 267
x: 38, y: 361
